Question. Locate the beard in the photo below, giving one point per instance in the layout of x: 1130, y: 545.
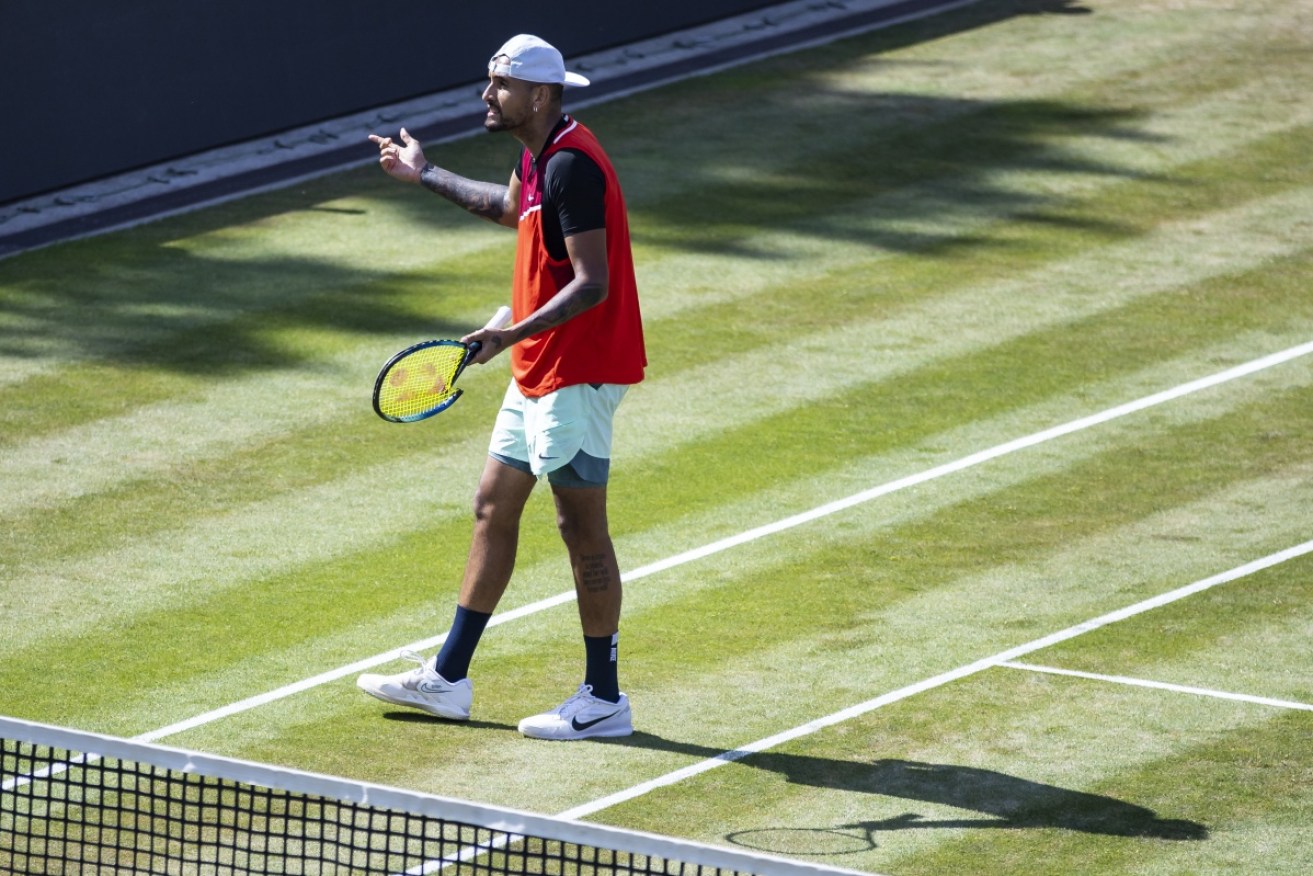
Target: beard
x: 496, y: 121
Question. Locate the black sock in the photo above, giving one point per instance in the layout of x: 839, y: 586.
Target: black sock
x: 453, y: 661
x: 601, y: 672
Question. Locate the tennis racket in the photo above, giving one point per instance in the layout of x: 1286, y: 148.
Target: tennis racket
x: 420, y: 381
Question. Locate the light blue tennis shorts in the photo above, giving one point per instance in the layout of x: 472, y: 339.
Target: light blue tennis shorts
x: 564, y: 435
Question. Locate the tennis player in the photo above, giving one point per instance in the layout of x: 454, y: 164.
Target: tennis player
x: 576, y: 346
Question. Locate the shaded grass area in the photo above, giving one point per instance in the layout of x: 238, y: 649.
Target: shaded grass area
x: 860, y: 580
x: 1251, y: 756
x: 1257, y: 440
x: 900, y: 413
x: 868, y: 418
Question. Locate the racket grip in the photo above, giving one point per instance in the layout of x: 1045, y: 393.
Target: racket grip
x: 500, y: 319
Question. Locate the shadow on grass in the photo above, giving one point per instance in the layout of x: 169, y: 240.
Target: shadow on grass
x: 1004, y: 801
x: 777, y: 146
x: 472, y: 724
x: 906, y: 188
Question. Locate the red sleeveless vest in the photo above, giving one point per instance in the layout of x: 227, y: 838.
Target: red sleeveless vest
x: 600, y: 345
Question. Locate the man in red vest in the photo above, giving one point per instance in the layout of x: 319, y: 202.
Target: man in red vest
x: 576, y: 344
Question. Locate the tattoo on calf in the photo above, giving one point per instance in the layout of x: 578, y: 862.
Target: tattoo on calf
x: 594, y: 573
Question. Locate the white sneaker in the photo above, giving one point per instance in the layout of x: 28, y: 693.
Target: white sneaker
x: 581, y: 716
x: 421, y: 688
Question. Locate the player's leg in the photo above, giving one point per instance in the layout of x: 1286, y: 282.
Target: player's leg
x: 441, y: 686
x: 498, y: 505
x: 598, y: 708
x: 581, y: 518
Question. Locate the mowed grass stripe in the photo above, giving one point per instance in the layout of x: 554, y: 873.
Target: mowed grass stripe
x: 993, y: 772
x: 773, y: 589
x: 328, y: 246
x: 170, y: 292
x: 758, y: 386
x: 876, y: 87
x: 856, y: 465
x: 709, y: 291
x: 210, y: 421
x: 757, y: 690
x: 1163, y: 754
x: 78, y: 460
x: 255, y: 540
x: 1008, y: 125
x: 58, y: 478
x: 388, y: 596
x: 737, y: 389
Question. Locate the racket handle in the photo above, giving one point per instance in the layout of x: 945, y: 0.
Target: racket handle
x: 500, y: 319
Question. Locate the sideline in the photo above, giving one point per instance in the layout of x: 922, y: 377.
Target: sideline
x: 999, y: 659
x: 689, y: 556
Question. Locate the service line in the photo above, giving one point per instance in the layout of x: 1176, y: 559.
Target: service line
x: 1000, y: 659
x: 1161, y: 685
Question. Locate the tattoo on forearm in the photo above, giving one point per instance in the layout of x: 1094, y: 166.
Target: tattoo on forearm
x: 480, y: 198
x: 564, y: 307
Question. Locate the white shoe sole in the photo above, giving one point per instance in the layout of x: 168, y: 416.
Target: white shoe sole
x: 424, y: 705
x: 564, y: 731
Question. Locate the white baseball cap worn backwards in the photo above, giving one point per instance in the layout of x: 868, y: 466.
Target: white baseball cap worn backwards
x: 534, y: 60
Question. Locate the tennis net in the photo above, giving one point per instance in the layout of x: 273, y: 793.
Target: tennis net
x: 83, y: 804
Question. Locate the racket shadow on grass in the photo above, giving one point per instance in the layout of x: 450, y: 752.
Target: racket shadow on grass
x: 1004, y: 801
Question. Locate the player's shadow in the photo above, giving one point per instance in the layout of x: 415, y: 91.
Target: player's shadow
x: 405, y: 717
x: 1003, y: 801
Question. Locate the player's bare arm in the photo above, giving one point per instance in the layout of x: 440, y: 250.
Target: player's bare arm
x: 588, y: 289
x: 488, y: 200
x: 405, y: 161
x: 587, y: 251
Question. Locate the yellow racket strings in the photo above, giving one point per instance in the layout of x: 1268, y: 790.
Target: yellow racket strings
x: 420, y: 381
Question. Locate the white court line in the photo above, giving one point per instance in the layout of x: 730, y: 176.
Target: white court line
x: 940, y: 680
x: 1161, y: 685
x: 724, y: 544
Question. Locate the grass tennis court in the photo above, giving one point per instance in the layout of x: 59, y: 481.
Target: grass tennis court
x: 867, y: 270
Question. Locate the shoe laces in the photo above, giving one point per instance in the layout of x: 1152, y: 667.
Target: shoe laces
x: 419, y: 671
x: 577, y: 701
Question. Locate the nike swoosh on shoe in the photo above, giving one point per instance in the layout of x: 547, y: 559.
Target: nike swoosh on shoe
x: 584, y: 725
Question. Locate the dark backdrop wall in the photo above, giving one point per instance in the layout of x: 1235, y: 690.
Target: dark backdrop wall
x: 89, y: 88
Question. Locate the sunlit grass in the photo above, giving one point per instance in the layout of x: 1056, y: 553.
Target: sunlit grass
x: 857, y: 262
